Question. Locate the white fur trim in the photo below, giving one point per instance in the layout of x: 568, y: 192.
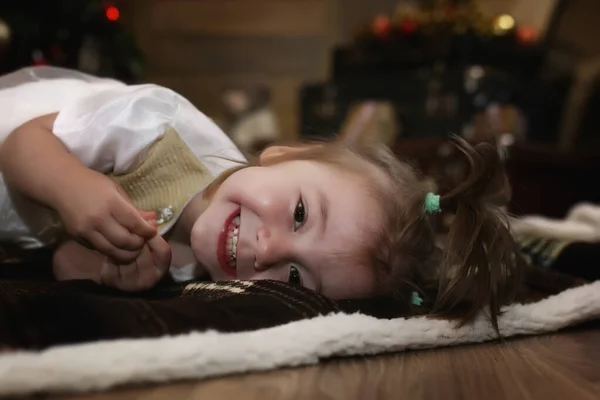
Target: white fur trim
x: 582, y: 223
x: 586, y: 213
x: 554, y: 229
x: 102, y: 365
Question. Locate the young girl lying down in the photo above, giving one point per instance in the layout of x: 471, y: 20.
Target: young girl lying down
x: 129, y: 183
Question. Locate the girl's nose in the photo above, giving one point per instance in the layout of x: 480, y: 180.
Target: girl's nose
x: 272, y: 248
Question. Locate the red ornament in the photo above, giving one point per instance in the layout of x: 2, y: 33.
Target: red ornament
x: 527, y: 35
x: 408, y: 27
x: 112, y: 13
x: 381, y: 26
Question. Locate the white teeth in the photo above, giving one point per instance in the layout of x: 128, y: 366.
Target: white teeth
x: 232, y: 241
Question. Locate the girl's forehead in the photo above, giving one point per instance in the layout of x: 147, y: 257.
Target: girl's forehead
x: 351, y: 217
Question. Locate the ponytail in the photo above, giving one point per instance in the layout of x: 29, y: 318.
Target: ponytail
x: 481, y: 266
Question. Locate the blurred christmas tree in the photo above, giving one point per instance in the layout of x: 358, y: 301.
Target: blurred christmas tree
x: 86, y: 35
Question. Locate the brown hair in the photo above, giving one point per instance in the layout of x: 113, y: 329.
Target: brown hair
x: 479, y: 266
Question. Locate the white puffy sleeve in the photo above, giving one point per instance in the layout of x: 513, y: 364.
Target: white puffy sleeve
x: 111, y: 130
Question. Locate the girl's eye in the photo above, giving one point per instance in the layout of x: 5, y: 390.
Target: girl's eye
x: 299, y: 215
x: 294, y: 277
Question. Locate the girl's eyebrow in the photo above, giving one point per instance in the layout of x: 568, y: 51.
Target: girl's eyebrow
x: 316, y: 276
x: 324, y: 208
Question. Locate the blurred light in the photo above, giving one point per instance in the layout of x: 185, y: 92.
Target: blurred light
x: 408, y: 26
x: 506, y: 139
x: 527, y: 34
x: 473, y: 76
x: 503, y: 23
x: 506, y: 22
x: 476, y: 72
x: 112, y: 13
x: 5, y: 32
x: 381, y: 25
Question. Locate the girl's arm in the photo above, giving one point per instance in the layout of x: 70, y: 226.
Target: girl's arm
x: 37, y: 164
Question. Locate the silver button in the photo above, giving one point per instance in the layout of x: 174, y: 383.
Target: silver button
x: 164, y: 214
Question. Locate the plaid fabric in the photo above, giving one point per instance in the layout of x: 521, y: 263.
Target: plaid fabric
x: 37, y: 312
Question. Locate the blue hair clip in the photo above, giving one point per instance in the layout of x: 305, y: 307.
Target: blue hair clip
x: 432, y: 203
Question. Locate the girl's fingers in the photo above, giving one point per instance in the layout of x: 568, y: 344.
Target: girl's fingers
x: 161, y: 253
x: 128, y: 276
x: 101, y: 244
x: 141, y: 274
x: 148, y: 215
x: 109, y: 274
x: 148, y: 272
x: 120, y: 237
x: 129, y: 217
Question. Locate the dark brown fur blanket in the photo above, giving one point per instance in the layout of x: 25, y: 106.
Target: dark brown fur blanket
x: 37, y: 312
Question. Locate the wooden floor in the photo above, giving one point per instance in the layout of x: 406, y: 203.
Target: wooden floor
x: 560, y: 366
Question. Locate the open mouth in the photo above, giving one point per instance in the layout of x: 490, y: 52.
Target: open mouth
x: 228, y: 240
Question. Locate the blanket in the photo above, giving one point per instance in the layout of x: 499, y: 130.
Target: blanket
x: 78, y: 336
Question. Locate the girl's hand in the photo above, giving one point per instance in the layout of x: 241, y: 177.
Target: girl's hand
x: 95, y: 209
x: 142, y: 274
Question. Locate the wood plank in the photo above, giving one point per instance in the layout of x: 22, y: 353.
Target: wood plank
x: 241, y: 17
x: 251, y: 55
x: 208, y: 89
x: 137, y: 23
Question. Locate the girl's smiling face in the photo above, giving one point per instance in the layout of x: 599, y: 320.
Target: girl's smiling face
x: 304, y: 222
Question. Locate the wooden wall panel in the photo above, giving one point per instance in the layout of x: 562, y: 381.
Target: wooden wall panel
x: 578, y: 29
x: 233, y: 55
x: 242, y: 17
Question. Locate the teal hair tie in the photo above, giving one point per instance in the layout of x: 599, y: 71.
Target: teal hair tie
x: 416, y: 299
x: 432, y: 203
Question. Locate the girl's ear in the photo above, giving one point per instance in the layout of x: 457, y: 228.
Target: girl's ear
x: 274, y: 152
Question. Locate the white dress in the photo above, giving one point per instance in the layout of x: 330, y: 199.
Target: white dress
x: 104, y: 123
